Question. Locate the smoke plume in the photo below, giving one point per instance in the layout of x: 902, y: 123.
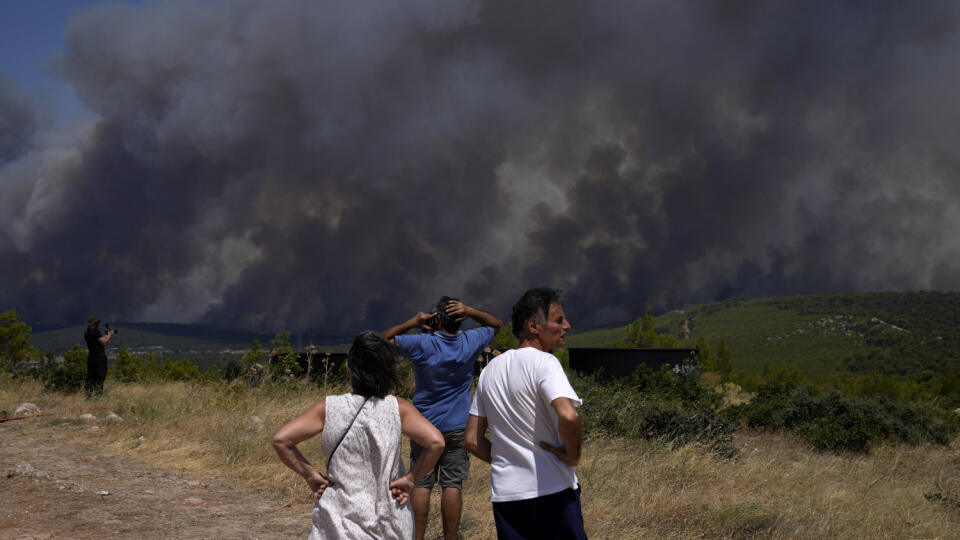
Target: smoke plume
x: 339, y: 166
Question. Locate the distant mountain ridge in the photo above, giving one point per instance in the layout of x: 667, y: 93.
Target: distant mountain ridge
x: 175, y: 339
x: 884, y: 333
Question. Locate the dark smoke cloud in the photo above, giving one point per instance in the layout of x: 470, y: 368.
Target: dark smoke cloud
x: 19, y: 119
x: 336, y: 166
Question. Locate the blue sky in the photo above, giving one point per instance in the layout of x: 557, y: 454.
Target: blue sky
x: 30, y: 32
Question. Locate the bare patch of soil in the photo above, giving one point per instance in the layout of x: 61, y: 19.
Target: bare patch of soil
x: 55, y: 484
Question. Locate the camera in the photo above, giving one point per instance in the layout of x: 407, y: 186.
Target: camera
x: 108, y: 329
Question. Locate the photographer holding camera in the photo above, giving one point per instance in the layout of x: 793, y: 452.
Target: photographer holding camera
x: 443, y: 359
x: 96, y: 356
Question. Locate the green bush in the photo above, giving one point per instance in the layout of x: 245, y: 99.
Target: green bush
x: 835, y: 422
x: 15, y: 341
x: 180, y: 370
x: 147, y: 368
x: 504, y: 339
x: 232, y: 368
x: 686, y: 391
x: 131, y: 368
x: 283, y: 361
x: 68, y: 376
x: 661, y: 406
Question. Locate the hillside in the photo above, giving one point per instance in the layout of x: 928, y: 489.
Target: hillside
x: 902, y: 333
x: 174, y: 340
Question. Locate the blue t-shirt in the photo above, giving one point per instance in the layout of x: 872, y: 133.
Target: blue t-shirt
x: 443, y: 367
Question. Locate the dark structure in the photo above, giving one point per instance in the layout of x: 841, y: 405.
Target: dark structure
x: 615, y: 363
x: 333, y: 362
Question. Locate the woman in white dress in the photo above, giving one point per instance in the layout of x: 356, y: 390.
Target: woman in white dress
x: 366, y: 492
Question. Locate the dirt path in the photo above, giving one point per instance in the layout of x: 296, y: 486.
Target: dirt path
x: 54, y: 485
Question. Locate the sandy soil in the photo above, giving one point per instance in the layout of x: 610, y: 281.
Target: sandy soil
x: 55, y: 484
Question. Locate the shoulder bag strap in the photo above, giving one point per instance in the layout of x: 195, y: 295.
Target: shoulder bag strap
x: 344, y: 435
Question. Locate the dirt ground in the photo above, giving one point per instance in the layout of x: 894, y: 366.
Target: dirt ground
x: 55, y: 484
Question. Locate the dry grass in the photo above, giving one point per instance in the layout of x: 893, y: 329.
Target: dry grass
x: 776, y: 488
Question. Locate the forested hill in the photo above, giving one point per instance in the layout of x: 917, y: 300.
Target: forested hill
x: 176, y: 340
x: 889, y: 333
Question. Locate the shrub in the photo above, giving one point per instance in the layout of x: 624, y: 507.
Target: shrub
x: 130, y: 368
x: 283, y: 360
x: 836, y: 422
x: 685, y: 390
x: 68, y: 376
x: 180, y: 370
x: 663, y: 406
x: 504, y: 339
x: 146, y: 368
x: 232, y: 368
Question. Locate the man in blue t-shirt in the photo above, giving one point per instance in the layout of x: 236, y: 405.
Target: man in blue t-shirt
x: 443, y: 361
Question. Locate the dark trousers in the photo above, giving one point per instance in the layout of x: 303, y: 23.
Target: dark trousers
x: 550, y: 517
x: 96, y: 374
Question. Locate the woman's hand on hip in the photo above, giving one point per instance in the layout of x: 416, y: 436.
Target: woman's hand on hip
x: 317, y: 484
x: 402, y: 488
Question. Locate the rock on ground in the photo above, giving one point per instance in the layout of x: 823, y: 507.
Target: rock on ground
x: 26, y: 409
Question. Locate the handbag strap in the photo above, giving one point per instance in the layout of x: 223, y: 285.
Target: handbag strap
x: 329, y: 457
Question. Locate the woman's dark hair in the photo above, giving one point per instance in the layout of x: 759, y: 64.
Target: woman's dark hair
x: 373, y: 366
x: 534, y: 303
x: 448, y: 323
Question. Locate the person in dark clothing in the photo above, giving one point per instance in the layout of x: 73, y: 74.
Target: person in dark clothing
x: 97, y: 356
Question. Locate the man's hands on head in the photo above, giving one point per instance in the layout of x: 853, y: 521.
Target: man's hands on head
x: 423, y: 321
x: 457, y: 310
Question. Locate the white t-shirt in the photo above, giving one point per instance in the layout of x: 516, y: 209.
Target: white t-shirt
x: 514, y: 395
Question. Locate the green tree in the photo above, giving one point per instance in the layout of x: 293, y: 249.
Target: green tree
x: 254, y: 355
x: 15, y: 344
x: 126, y: 368
x: 135, y: 368
x: 67, y: 376
x: 722, y: 363
x: 706, y: 356
x: 283, y: 359
x: 642, y: 333
x: 504, y: 338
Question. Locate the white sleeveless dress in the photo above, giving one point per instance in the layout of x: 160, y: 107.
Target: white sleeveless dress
x: 358, y: 503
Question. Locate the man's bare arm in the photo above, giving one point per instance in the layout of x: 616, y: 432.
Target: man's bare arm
x: 105, y: 338
x: 417, y: 321
x: 459, y: 311
x: 475, y: 438
x: 571, y: 432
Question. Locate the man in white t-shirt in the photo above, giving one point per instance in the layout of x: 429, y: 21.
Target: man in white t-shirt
x: 526, y: 401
